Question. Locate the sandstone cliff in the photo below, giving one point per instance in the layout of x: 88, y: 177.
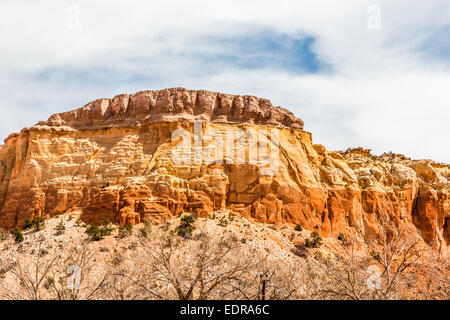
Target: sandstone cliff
x: 112, y: 159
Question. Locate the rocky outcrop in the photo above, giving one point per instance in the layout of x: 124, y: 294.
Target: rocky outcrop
x: 173, y: 105
x: 113, y: 159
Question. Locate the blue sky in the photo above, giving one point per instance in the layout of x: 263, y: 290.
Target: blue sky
x: 262, y: 50
x: 384, y: 88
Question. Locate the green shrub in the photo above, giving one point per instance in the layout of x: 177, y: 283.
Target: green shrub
x: 186, y: 226
x: 314, y: 241
x: 38, y: 223
x: 317, y: 239
x: 185, y: 231
x: 341, y: 236
x: 125, y: 231
x: 106, y: 185
x: 187, y: 220
x: 18, y: 235
x: 298, y: 227
x: 79, y: 223
x: 60, y: 228
x: 97, y: 233
x: 223, y: 222
x: 28, y: 224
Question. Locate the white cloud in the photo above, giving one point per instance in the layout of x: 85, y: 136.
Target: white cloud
x: 388, y: 89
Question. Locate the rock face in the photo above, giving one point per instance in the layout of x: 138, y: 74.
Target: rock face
x: 113, y: 159
x: 175, y: 104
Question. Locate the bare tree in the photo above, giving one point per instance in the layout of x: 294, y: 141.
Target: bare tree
x: 44, y: 276
x: 27, y: 280
x: 75, y: 277
x: 396, y: 252
x: 355, y: 276
x: 200, y: 268
x: 340, y: 277
x: 436, y: 275
x: 270, y: 279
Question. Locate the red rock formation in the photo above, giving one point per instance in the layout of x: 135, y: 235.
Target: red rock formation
x: 175, y: 104
x: 112, y: 159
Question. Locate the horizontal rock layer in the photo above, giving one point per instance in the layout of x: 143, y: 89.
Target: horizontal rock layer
x: 99, y: 163
x: 175, y: 104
